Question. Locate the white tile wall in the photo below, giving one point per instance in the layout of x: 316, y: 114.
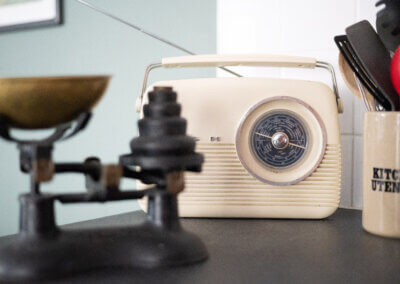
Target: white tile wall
x: 302, y: 28
x: 347, y: 170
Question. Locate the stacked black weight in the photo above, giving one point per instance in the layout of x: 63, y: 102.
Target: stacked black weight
x: 162, y: 144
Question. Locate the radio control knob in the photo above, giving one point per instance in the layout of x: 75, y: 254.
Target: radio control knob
x: 280, y: 140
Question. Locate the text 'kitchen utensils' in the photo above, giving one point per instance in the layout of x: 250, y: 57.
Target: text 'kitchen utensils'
x: 381, y: 173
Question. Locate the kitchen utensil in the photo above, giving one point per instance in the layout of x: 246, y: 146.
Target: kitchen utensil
x: 351, y: 58
x: 388, y: 23
x: 395, y: 70
x: 375, y: 59
x: 348, y: 76
x: 381, y: 175
x: 43, y: 102
x: 354, y: 85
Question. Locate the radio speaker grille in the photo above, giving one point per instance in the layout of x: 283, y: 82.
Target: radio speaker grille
x: 224, y: 182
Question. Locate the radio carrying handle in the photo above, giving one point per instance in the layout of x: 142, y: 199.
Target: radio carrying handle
x: 216, y: 60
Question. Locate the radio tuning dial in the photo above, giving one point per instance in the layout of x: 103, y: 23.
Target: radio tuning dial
x: 281, y: 140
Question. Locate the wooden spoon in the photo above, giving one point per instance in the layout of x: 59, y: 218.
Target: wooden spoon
x: 350, y: 81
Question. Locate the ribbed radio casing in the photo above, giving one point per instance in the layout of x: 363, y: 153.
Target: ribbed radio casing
x: 225, y: 183
x: 214, y: 108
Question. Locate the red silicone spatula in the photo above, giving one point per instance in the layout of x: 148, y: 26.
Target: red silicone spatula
x: 395, y: 70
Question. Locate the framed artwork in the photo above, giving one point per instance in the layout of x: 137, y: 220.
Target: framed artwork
x: 22, y: 14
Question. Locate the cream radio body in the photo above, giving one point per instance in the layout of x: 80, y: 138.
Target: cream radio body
x: 271, y: 146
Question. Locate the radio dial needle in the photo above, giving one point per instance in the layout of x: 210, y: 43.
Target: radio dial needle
x: 290, y: 143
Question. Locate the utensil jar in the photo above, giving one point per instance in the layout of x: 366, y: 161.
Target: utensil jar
x: 381, y: 173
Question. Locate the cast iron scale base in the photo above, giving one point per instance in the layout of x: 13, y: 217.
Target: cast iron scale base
x: 42, y: 250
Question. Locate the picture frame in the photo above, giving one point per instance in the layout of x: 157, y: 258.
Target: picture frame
x: 24, y: 14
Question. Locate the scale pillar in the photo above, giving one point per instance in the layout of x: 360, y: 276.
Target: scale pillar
x: 162, y: 210
x: 37, y: 216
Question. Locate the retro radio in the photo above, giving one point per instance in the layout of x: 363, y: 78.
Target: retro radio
x: 271, y: 146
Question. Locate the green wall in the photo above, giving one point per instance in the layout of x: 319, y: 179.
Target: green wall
x: 89, y: 43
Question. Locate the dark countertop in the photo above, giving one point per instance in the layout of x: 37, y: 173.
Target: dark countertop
x: 334, y: 250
